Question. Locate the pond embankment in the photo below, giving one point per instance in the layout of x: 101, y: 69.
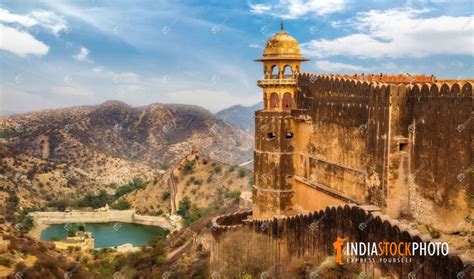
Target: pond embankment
x: 43, y: 219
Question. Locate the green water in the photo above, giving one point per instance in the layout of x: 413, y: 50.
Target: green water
x: 109, y: 234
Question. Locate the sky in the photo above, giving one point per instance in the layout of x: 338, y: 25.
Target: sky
x: 60, y: 53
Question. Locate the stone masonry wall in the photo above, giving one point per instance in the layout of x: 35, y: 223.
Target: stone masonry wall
x: 313, y: 234
x: 407, y: 148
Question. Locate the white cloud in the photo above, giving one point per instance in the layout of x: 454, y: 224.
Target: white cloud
x: 98, y: 69
x: 44, y: 19
x: 398, y: 33
x: 7, y: 17
x: 329, y: 66
x: 72, y: 91
x: 20, y: 42
x: 260, y: 8
x: 50, y: 21
x: 83, y: 55
x: 255, y: 46
x: 292, y: 9
x: 125, y: 77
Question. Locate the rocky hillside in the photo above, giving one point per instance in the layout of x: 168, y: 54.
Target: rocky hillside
x: 59, y: 154
x: 154, y: 134
x: 207, y: 183
x: 241, y: 116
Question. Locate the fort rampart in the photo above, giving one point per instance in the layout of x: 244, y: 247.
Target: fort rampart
x: 313, y: 235
x: 405, y: 147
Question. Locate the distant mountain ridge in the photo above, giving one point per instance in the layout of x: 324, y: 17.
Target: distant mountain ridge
x: 154, y: 134
x: 57, y: 153
x: 241, y: 116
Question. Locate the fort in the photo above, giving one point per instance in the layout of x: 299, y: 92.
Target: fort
x: 328, y: 145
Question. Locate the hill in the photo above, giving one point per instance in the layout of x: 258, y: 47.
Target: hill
x: 241, y: 116
x: 51, y: 155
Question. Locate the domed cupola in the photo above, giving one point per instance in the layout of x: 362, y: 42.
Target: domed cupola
x: 281, y: 66
x: 282, y: 46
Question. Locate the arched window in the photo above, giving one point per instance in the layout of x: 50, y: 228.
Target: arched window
x: 274, y: 101
x: 287, y: 101
x: 287, y: 72
x: 275, y: 71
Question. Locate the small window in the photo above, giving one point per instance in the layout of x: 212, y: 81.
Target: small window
x: 271, y: 136
x: 289, y: 135
x: 403, y: 146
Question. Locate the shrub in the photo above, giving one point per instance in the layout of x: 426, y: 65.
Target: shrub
x: 188, y: 168
x: 121, y: 205
x: 24, y: 223
x: 233, y: 194
x: 165, y: 195
x: 6, y: 261
x: 217, y: 169
x: 184, y: 206
x: 434, y: 233
x: 242, y: 173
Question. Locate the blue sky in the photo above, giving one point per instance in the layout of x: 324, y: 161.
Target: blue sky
x: 65, y: 53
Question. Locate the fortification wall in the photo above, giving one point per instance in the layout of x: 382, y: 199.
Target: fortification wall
x: 439, y: 124
x: 348, y: 124
x: 407, y: 148
x: 312, y: 235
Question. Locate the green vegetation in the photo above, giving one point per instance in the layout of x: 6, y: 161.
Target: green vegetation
x: 72, y: 229
x: 121, y: 205
x: 165, y: 195
x: 217, y: 169
x: 188, y: 167
x: 161, y: 234
x: 136, y: 183
x: 190, y: 212
x: 242, y: 173
x: 23, y: 223
x: 233, y: 194
x: 251, y: 180
x: 103, y: 198
x: 95, y: 201
x: 6, y: 260
x: 10, y: 133
x: 434, y: 233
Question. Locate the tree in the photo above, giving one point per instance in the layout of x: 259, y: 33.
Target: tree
x: 184, y: 206
x: 23, y: 223
x: 121, y: 205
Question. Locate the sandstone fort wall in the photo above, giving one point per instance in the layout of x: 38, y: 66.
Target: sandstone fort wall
x: 313, y: 234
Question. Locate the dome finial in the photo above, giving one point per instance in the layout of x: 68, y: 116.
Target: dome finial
x: 281, y: 25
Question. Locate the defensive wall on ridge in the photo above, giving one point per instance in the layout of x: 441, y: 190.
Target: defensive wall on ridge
x: 312, y: 235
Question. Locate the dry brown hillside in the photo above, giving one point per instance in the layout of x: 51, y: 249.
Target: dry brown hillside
x: 154, y: 135
x: 37, y: 182
x: 209, y: 184
x: 65, y: 154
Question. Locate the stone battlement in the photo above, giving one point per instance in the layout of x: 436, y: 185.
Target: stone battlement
x: 314, y: 233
